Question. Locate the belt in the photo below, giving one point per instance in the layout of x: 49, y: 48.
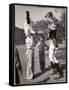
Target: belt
x: 30, y: 48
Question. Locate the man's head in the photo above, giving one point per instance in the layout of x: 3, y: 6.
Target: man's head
x: 49, y: 16
x: 42, y: 37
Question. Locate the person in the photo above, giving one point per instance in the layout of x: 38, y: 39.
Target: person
x: 30, y: 55
x: 53, y: 45
x: 40, y: 46
x: 42, y: 54
x: 30, y: 46
x: 27, y: 24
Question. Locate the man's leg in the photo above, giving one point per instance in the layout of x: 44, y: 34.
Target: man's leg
x: 29, y: 65
x: 40, y: 60
x: 43, y: 61
x: 51, y: 57
x: 51, y: 53
x: 58, y: 68
x: 32, y: 62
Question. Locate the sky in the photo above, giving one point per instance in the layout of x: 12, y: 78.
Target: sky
x: 36, y: 13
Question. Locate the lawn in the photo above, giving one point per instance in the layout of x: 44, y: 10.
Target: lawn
x: 39, y: 77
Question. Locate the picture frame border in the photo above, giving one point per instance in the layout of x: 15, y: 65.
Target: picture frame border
x: 11, y: 43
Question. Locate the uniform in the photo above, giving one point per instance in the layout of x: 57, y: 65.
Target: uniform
x: 29, y: 44
x: 52, y: 49
x: 27, y: 24
x: 28, y: 27
x: 30, y: 57
x: 52, y: 41
x: 41, y: 49
x: 53, y: 44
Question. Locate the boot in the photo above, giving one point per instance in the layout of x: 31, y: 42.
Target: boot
x: 59, y: 70
x: 53, y: 68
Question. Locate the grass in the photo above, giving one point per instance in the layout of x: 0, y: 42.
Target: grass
x: 45, y: 77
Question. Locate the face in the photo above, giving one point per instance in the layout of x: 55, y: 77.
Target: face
x: 50, y: 19
x: 41, y: 38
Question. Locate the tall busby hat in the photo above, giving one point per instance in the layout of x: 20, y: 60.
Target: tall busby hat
x: 27, y: 14
x: 28, y: 17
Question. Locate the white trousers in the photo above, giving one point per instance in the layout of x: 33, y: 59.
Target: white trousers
x: 29, y: 55
x: 52, y: 48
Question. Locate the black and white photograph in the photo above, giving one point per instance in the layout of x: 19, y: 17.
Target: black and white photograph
x: 40, y: 44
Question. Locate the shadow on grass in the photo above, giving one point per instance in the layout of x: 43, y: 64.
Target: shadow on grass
x: 63, y: 66
x: 44, y: 81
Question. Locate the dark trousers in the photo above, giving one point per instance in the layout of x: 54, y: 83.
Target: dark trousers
x: 57, y: 67
x: 42, y: 60
x: 32, y: 62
